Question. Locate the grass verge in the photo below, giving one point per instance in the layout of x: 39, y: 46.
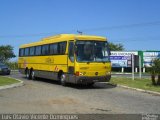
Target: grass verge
x: 143, y: 83
x: 7, y: 81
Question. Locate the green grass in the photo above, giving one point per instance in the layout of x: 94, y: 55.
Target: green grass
x: 145, y: 84
x: 7, y: 81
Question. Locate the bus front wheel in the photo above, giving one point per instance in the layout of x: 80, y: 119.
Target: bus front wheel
x: 90, y: 84
x: 63, y: 80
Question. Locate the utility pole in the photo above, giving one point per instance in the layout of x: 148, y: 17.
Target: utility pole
x: 140, y: 66
x: 132, y: 56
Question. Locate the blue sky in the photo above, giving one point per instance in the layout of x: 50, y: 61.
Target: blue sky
x: 25, y: 21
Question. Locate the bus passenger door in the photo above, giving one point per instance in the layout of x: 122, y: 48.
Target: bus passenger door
x: 71, y: 61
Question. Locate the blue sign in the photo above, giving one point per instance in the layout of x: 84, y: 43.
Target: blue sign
x: 120, y: 57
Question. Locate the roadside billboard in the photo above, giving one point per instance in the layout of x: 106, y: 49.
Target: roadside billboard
x: 149, y: 56
x: 121, y: 58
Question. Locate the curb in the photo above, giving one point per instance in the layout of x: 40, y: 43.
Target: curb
x: 14, y: 71
x: 121, y: 73
x: 137, y: 89
x: 21, y: 83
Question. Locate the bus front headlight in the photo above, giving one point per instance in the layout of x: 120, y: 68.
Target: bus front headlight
x: 108, y: 73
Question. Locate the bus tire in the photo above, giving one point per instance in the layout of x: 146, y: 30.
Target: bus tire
x: 27, y: 73
x: 63, y: 80
x: 90, y: 84
x: 32, y: 75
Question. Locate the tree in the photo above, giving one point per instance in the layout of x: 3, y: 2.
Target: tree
x: 6, y: 53
x: 116, y: 47
x: 155, y: 70
x: 152, y: 71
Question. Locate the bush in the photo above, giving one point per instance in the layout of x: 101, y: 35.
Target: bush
x: 12, y: 65
x: 155, y: 70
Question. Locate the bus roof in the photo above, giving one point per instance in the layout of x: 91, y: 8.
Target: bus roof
x: 63, y: 37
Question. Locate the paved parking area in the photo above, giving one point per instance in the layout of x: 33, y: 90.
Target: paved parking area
x: 46, y: 96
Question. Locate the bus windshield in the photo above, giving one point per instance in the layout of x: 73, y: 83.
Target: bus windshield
x: 92, y: 51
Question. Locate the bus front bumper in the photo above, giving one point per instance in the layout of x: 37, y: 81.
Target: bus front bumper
x: 92, y: 79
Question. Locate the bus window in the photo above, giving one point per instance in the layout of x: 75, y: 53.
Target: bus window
x: 31, y: 51
x: 92, y: 51
x: 53, y: 49
x: 26, y: 52
x: 62, y: 48
x: 21, y: 52
x: 71, y: 51
x: 45, y: 49
x: 38, y: 50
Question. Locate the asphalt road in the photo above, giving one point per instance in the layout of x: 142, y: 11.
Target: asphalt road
x: 46, y: 96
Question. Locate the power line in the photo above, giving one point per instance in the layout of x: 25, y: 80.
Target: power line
x: 124, y: 26
x: 25, y: 35
x: 141, y: 39
x: 133, y: 40
x: 86, y: 30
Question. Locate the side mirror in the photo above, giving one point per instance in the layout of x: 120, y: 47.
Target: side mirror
x: 108, y: 49
x: 75, y: 50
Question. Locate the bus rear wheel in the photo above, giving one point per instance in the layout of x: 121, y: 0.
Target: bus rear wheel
x: 27, y: 73
x: 32, y: 75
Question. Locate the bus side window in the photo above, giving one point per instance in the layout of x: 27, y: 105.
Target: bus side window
x: 53, y: 49
x: 31, y: 51
x: 71, y: 51
x: 38, y: 50
x: 62, y: 48
x: 26, y: 51
x: 21, y: 52
x: 45, y: 50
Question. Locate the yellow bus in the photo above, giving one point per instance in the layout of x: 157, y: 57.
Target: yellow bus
x: 68, y: 58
